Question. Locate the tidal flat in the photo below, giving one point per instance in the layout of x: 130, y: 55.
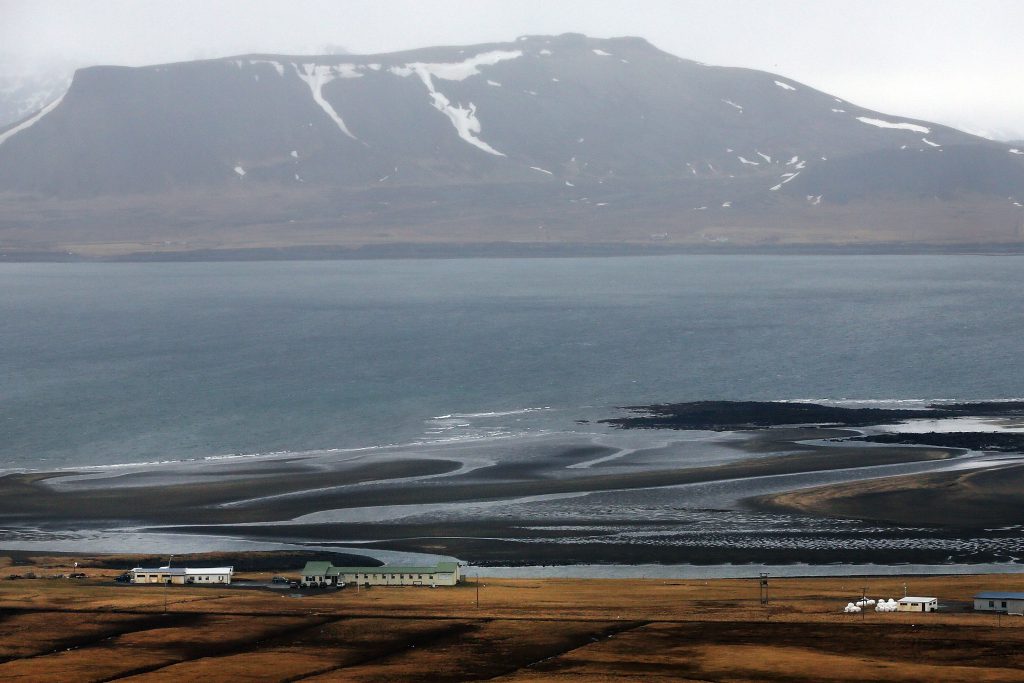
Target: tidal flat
x: 774, y: 494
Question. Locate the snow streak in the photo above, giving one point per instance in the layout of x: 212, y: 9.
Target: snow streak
x: 898, y: 125
x: 464, y: 119
x: 316, y: 76
x: 27, y: 123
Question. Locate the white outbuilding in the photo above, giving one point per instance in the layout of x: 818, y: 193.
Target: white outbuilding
x: 199, y: 576
x: 917, y: 604
x: 999, y: 601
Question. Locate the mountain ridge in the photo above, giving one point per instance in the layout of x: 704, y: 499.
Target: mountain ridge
x: 543, y: 139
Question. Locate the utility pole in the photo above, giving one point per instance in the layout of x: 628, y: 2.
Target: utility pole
x: 764, y: 588
x: 478, y: 591
x: 167, y: 581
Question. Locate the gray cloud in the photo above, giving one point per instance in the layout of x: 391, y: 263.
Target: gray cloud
x: 949, y: 61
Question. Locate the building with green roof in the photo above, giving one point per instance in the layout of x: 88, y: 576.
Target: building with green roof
x: 320, y: 574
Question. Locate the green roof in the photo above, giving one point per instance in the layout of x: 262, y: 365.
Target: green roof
x: 391, y: 569
x: 316, y: 568
x: 327, y: 569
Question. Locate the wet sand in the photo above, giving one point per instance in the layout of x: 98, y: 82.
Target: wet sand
x: 969, y: 500
x: 551, y: 501
x: 691, y: 492
x: 291, y: 490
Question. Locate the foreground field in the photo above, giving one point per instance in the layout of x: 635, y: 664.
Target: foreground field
x: 93, y: 630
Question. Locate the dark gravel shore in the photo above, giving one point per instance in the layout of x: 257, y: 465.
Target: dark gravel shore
x: 734, y: 415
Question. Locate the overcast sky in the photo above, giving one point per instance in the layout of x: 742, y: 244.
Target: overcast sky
x: 952, y: 61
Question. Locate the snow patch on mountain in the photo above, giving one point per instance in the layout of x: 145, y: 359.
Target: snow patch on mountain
x: 601, y: 53
x: 1016, y: 151
x: 26, y: 86
x: 784, y: 86
x: 240, y: 171
x: 787, y: 177
x: 28, y: 123
x: 316, y: 76
x: 895, y: 125
x: 748, y: 161
x: 455, y: 71
x: 542, y: 170
x: 734, y: 105
x: 467, y: 125
x: 930, y: 143
x: 464, y: 119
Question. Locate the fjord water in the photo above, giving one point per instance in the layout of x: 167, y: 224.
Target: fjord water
x: 140, y: 362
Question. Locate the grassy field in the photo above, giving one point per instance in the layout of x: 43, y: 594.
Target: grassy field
x: 93, y: 630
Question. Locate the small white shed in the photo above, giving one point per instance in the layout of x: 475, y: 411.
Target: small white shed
x: 917, y: 604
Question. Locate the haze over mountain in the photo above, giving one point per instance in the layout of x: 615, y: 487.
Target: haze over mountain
x: 25, y: 88
x: 546, y: 139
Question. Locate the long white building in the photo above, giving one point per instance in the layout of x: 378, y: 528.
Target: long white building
x: 317, y: 574
x: 999, y: 601
x: 201, y: 576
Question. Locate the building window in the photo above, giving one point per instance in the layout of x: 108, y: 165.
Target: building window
x: 1004, y: 604
x: 991, y: 603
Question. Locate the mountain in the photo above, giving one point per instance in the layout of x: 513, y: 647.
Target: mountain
x: 27, y: 88
x: 544, y: 140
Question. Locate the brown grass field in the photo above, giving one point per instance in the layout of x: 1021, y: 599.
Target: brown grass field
x: 523, y: 630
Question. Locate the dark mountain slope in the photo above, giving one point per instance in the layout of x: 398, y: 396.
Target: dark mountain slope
x: 602, y: 140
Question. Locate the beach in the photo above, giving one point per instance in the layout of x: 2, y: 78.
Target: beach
x: 628, y: 497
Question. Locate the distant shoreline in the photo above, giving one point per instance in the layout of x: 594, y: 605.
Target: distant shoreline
x: 502, y: 250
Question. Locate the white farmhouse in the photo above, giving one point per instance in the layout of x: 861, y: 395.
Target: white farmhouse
x: 200, y: 576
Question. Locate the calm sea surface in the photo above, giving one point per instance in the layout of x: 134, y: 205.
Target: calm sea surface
x: 117, y: 363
